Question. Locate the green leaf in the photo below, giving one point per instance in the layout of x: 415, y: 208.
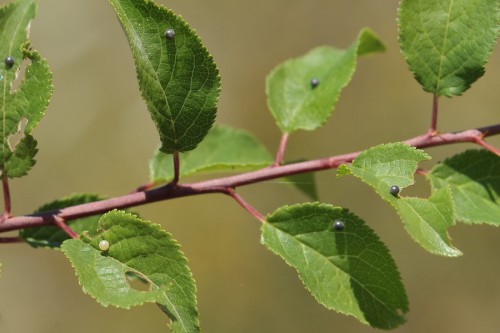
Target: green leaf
x: 137, y: 249
x: 52, y: 236
x: 24, y: 107
x: 223, y: 149
x: 350, y: 271
x: 474, y: 179
x: 447, y: 43
x: 304, y: 182
x: 178, y: 79
x: 426, y: 220
x: 294, y: 103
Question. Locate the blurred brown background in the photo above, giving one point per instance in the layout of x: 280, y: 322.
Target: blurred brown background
x: 97, y: 137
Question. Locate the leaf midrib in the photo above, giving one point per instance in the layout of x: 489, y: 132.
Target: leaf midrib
x: 445, y: 39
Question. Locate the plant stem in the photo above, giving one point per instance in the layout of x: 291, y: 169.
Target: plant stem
x: 249, y: 208
x: 435, y: 107
x: 220, y: 185
x: 421, y: 172
x: 281, y: 150
x: 487, y: 146
x: 175, y: 181
x: 59, y: 221
x: 6, y: 198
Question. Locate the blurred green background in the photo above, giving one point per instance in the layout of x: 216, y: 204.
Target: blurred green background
x: 97, y: 137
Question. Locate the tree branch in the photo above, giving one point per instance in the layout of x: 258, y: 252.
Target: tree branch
x: 220, y: 185
x: 249, y: 208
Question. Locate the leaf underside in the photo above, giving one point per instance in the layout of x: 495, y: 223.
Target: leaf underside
x: 350, y: 270
x: 178, y: 78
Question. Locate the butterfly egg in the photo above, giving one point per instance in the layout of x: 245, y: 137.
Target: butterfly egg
x: 169, y: 34
x: 104, y: 245
x: 9, y: 62
x: 314, y: 83
x: 338, y: 225
x: 394, y: 190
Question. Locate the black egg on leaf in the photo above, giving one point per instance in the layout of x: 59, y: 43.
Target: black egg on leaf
x: 394, y: 190
x: 314, y: 83
x: 338, y: 225
x: 9, y: 62
x: 169, y: 34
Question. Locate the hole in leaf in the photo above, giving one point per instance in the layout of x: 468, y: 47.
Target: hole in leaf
x: 137, y: 281
x: 20, y: 75
x: 14, y: 139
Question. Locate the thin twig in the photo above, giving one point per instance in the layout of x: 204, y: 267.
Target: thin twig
x: 175, y: 181
x: 487, y: 146
x: 435, y: 107
x: 281, y: 150
x: 422, y: 172
x: 6, y: 199
x: 249, y: 208
x: 59, y: 221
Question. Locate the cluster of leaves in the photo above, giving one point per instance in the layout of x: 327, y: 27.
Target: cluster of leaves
x: 346, y: 268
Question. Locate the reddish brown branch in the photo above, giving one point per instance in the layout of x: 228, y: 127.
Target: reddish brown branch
x: 246, y: 205
x: 281, y: 150
x: 220, y: 185
x: 59, y: 221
